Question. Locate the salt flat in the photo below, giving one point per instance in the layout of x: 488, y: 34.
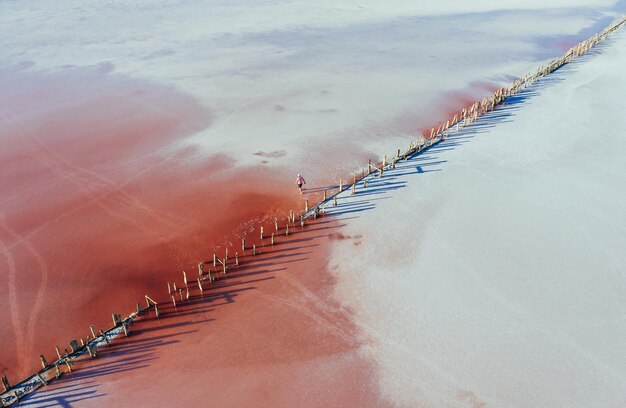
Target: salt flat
x: 490, y: 268
x: 139, y: 138
x: 305, y: 79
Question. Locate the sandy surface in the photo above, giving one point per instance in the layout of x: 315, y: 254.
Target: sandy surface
x: 504, y: 283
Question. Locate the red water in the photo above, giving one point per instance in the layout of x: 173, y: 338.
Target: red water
x: 440, y: 109
x: 452, y: 103
x: 99, y: 205
x: 268, y: 333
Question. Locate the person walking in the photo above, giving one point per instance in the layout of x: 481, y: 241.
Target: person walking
x: 299, y: 182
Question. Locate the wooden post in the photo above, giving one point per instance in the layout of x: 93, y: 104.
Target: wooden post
x: 187, y: 295
x: 272, y: 240
x: 169, y: 288
x: 91, y: 351
x: 93, y: 331
x: 44, y: 363
x: 106, y: 338
x: 58, y: 351
x: 125, y: 328
x: 254, y: 246
x: 149, y: 301
x: 214, y: 259
x: 200, y: 268
x: 301, y: 221
x: 276, y: 224
x: 243, y: 244
x: 40, y: 378
x: 185, y: 277
x: 287, y: 230
x: 384, y: 160
x: 5, y: 383
x: 69, y: 365
x: 200, y: 285
x: 180, y: 293
x: 156, y: 310
x: 340, y: 185
x: 353, y: 189
x: 261, y: 233
x: 335, y: 200
x: 174, y: 300
x: 365, y: 183
x: 58, y: 371
x: 369, y: 166
x: 175, y: 288
x: 324, y: 199
x: 306, y: 205
x: 224, y: 265
x: 237, y: 257
x: 226, y: 255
